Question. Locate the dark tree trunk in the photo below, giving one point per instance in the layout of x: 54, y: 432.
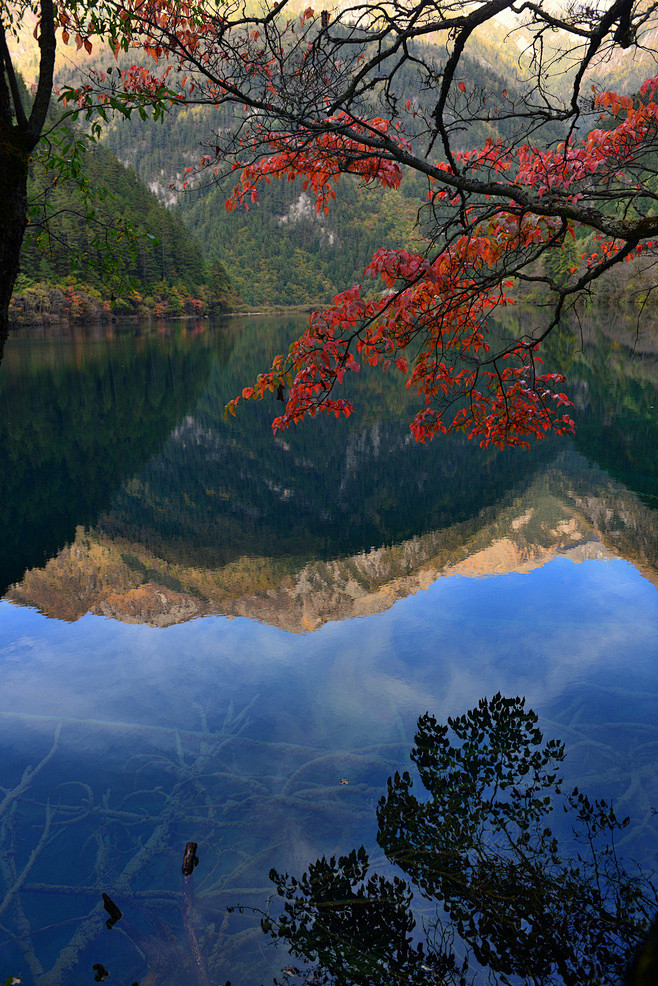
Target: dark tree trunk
x: 14, y: 158
x: 19, y: 135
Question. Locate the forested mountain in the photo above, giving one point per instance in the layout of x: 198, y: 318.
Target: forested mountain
x: 100, y: 243
x: 279, y: 251
x: 68, y: 242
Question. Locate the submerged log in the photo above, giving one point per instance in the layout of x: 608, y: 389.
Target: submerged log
x: 112, y: 910
x: 190, y: 858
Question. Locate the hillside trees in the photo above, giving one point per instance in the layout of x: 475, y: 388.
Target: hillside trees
x: 60, y: 245
x: 37, y: 152
x: 362, y: 92
x: 87, y: 214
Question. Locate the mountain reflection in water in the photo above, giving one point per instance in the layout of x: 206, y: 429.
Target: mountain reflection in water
x: 79, y: 415
x: 129, y: 729
x: 335, y: 520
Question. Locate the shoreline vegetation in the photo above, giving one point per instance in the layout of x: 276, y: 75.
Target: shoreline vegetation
x: 74, y: 303
x: 278, y: 258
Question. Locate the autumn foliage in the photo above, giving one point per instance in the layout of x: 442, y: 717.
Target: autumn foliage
x: 299, y: 87
x: 443, y: 304
x: 428, y: 318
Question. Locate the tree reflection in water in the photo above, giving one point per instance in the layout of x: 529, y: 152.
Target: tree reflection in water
x: 519, y: 890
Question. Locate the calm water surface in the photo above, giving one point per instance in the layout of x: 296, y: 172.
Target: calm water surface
x: 208, y: 635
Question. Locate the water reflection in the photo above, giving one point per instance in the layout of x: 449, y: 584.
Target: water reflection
x: 508, y: 888
x: 335, y: 520
x: 481, y: 873
x: 237, y: 733
x: 238, y: 736
x: 569, y: 510
x: 73, y: 836
x: 80, y: 415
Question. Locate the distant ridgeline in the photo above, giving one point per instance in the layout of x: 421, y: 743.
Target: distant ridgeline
x: 100, y: 245
x: 191, y: 256
x: 279, y: 251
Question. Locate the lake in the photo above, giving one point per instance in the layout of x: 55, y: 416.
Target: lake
x: 210, y: 635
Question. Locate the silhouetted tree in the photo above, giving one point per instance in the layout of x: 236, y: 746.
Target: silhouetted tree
x: 513, y: 898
